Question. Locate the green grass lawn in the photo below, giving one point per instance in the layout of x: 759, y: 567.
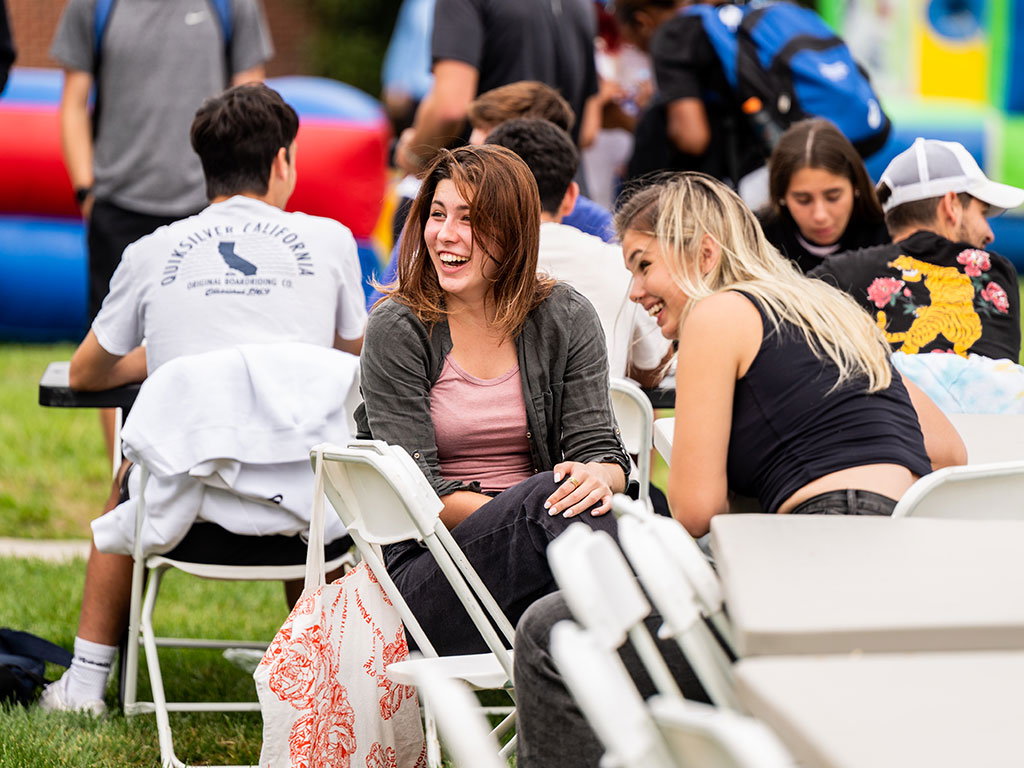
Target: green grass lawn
x: 44, y: 598
x: 54, y: 474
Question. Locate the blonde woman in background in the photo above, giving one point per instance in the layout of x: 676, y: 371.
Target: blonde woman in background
x: 784, y: 391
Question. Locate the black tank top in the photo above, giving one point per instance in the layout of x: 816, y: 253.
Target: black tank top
x: 789, y: 429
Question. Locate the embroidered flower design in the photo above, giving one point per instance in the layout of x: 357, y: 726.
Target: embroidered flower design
x: 994, y: 293
x: 975, y: 261
x: 334, y: 739
x: 380, y: 757
x: 882, y: 289
x: 294, y: 673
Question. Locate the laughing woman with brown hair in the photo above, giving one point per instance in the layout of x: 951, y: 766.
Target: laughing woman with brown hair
x: 495, y: 380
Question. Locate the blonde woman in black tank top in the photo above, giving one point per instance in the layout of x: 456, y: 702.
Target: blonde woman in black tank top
x: 784, y: 387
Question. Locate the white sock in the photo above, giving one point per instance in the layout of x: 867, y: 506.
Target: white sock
x: 86, y: 678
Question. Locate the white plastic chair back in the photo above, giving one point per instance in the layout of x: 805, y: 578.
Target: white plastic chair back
x: 598, y: 586
x: 974, y: 491
x: 603, y: 595
x: 382, y: 497
x: 463, y: 728
x: 991, y: 437
x: 705, y: 736
x: 635, y: 417
x: 687, y: 553
x: 667, y: 586
x: 608, y: 698
x: 375, y: 492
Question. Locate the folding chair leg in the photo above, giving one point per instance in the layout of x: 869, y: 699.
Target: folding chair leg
x: 430, y: 733
x: 163, y: 724
x: 130, y: 672
x: 506, y: 725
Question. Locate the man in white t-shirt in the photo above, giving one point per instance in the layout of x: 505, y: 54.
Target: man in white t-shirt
x: 636, y: 347
x: 243, y: 271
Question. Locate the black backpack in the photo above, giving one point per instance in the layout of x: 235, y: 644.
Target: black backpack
x: 23, y: 658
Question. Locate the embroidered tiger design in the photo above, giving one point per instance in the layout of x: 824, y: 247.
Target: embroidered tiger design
x: 950, y: 312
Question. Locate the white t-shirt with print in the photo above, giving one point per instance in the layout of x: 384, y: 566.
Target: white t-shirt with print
x: 595, y: 269
x: 240, y: 272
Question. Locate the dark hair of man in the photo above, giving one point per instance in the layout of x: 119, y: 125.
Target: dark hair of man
x: 547, y: 150
x: 918, y: 214
x: 526, y: 98
x: 819, y: 144
x: 504, y: 215
x: 625, y: 10
x: 237, y: 135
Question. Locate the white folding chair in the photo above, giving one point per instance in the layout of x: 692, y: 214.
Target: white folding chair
x: 609, y: 700
x: 603, y: 596
x: 154, y: 567
x: 990, y: 437
x: 141, y: 631
x: 709, y: 737
x: 973, y: 491
x: 635, y: 417
x: 463, y: 729
x: 686, y: 554
x: 382, y: 498
x: 667, y: 586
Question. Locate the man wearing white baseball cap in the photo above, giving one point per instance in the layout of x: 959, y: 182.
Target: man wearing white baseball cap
x: 936, y: 288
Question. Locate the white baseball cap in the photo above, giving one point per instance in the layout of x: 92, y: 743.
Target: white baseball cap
x: 931, y: 168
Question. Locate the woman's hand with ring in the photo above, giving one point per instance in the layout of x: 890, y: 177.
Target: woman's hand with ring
x: 582, y: 486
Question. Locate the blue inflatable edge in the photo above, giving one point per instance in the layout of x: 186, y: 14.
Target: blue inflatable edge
x: 64, y: 240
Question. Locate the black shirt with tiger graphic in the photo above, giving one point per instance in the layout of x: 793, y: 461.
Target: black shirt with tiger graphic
x: 929, y: 294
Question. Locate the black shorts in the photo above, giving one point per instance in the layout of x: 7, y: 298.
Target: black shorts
x: 210, y: 543
x: 111, y: 230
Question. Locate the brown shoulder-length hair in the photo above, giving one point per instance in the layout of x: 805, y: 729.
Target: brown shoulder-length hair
x: 504, y: 214
x: 819, y: 144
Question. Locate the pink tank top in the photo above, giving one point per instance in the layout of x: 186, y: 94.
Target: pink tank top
x: 480, y: 427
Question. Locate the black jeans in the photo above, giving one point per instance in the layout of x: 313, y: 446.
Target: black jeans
x: 506, y: 541
x: 847, y: 502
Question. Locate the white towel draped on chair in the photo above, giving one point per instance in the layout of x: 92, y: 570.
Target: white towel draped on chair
x: 236, y: 449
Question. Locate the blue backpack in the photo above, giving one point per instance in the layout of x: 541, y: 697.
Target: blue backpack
x: 790, y: 61
x: 102, y: 15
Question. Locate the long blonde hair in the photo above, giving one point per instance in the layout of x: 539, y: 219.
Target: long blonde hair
x: 680, y: 210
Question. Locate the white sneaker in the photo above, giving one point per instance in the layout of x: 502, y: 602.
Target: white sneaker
x: 54, y: 699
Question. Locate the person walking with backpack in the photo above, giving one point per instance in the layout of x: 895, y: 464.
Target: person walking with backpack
x: 731, y: 78
x: 153, y: 64
x: 693, y: 123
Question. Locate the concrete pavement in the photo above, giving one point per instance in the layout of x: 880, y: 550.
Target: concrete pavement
x: 46, y: 549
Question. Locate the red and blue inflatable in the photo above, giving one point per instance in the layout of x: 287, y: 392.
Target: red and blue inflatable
x: 342, y: 174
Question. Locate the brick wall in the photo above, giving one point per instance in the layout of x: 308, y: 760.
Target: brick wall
x: 33, y: 23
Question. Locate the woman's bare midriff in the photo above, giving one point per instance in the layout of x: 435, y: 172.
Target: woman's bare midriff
x: 890, y: 480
